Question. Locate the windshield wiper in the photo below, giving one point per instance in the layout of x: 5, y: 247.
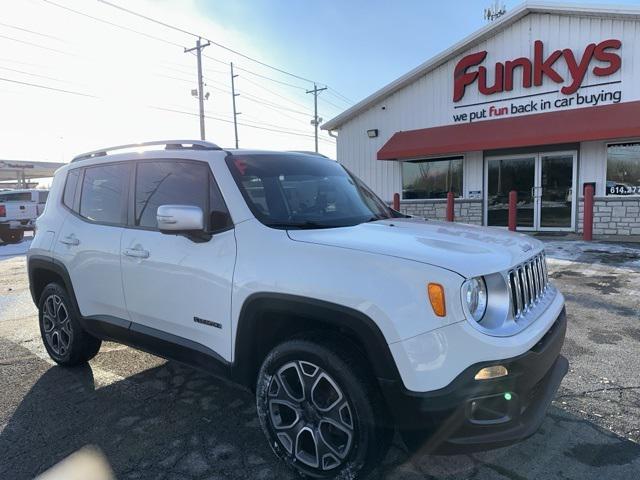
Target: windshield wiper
x: 301, y: 225
x: 375, y: 218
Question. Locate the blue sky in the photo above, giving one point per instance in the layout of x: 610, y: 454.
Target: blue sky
x: 356, y: 46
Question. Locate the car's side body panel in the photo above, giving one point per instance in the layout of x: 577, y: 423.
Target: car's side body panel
x: 390, y: 291
x: 182, y: 288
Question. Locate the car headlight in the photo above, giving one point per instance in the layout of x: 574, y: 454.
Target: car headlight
x: 474, y: 298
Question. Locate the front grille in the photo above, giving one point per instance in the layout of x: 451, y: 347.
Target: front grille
x: 527, y: 284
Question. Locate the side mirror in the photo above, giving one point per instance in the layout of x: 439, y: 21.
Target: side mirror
x: 180, y: 219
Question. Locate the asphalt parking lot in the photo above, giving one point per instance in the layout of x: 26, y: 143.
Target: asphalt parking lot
x: 155, y: 419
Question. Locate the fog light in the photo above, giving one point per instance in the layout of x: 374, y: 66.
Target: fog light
x: 488, y: 373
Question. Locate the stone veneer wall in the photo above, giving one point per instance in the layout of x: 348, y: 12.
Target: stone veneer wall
x: 613, y: 216
x: 465, y: 211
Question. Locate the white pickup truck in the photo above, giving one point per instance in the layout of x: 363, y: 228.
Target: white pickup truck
x: 18, y: 212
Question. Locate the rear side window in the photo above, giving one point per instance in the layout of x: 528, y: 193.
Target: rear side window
x: 42, y: 197
x: 70, y: 188
x: 103, y: 198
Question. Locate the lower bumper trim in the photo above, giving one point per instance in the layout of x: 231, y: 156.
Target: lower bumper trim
x: 451, y: 420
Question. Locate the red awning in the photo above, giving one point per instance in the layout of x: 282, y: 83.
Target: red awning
x: 607, y: 122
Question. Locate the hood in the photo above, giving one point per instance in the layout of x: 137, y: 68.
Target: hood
x: 466, y: 249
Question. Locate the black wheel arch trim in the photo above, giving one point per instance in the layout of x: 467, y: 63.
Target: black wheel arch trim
x: 42, y: 262
x: 375, y: 346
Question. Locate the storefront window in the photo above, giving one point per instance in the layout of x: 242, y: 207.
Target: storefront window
x: 623, y: 169
x: 431, y: 178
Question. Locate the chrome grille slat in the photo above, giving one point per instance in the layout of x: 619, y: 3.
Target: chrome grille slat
x: 525, y: 286
x: 519, y: 303
x: 527, y: 283
x: 543, y: 284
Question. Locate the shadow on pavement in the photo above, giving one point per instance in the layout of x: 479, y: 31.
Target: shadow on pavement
x: 171, y: 421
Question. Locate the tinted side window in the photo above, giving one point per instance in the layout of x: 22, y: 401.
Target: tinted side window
x: 16, y: 197
x: 70, y: 188
x: 42, y: 197
x: 169, y: 183
x: 219, y: 218
x: 104, y: 189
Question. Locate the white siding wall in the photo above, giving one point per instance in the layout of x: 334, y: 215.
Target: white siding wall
x: 428, y: 101
x: 592, y: 166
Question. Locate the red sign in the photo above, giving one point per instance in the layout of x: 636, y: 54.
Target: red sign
x: 534, y: 71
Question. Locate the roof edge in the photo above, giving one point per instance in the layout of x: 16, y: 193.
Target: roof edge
x: 476, y: 37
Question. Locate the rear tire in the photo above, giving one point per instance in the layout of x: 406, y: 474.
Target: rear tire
x: 12, y: 236
x: 63, y: 336
x: 320, y: 407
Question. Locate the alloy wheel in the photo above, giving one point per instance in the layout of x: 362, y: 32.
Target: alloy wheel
x: 310, y: 414
x: 57, y: 325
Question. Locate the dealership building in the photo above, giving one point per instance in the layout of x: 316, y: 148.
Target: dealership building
x: 543, y: 101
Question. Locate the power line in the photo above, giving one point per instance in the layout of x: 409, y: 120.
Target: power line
x: 239, y: 123
x: 341, y: 96
x: 259, y: 62
x: 332, y: 104
x: 48, y: 88
x: 160, y: 39
x: 273, y: 93
x: 268, y: 78
x: 113, y: 24
x: 34, y: 74
x: 72, y: 92
x: 274, y: 105
x: 22, y: 29
x: 37, y: 46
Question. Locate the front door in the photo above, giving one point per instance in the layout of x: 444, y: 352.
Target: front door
x: 173, y: 284
x: 544, y: 183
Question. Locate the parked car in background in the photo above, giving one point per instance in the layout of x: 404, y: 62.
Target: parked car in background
x: 18, y: 212
x: 286, y: 274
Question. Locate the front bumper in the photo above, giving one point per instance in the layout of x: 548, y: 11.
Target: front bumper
x: 471, y: 415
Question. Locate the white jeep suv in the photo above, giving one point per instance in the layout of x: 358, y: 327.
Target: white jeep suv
x: 285, y: 273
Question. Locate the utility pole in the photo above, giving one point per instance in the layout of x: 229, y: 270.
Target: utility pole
x: 198, y: 48
x: 316, y: 120
x: 233, y: 96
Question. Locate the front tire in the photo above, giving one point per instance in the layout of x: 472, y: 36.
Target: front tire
x: 63, y: 337
x: 319, y: 409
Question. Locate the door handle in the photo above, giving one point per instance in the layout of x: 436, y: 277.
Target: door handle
x: 70, y: 240
x: 136, y: 253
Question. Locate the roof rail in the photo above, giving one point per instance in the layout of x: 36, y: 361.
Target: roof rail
x: 168, y: 145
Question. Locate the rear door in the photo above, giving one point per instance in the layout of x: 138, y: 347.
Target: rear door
x: 175, y: 285
x: 89, y: 241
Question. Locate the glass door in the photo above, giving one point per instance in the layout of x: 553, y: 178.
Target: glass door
x: 555, y: 195
x: 545, y: 185
x: 517, y: 172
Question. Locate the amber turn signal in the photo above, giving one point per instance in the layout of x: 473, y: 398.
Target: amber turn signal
x: 436, y: 297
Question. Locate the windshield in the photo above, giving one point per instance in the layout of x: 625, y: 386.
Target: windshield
x: 304, y: 191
